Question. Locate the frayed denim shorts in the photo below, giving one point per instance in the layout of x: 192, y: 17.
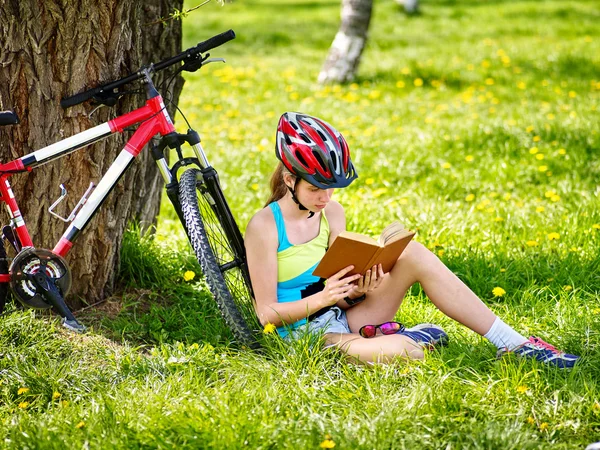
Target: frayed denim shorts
x: 333, y: 321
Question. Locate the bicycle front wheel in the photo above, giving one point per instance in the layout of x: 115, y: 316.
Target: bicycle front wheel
x: 209, y: 226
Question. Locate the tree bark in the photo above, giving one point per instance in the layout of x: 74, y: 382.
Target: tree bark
x: 345, y: 52
x: 53, y: 48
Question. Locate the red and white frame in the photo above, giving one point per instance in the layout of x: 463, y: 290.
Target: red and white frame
x: 154, y: 120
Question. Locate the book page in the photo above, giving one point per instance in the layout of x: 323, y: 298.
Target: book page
x: 392, y: 232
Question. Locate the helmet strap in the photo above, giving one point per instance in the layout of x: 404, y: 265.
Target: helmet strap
x: 301, y: 207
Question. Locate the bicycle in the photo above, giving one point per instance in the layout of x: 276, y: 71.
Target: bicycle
x: 40, y: 278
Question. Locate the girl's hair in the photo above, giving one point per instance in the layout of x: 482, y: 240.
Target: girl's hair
x: 278, y: 187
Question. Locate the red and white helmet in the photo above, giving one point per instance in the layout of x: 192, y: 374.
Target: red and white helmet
x: 314, y: 151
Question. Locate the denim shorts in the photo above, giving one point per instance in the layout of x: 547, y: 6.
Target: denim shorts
x: 333, y: 321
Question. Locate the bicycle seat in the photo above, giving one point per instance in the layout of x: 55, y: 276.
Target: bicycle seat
x: 8, y: 118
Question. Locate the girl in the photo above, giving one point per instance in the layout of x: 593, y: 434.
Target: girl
x: 286, y: 240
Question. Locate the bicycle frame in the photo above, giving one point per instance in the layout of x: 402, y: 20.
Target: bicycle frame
x: 154, y: 119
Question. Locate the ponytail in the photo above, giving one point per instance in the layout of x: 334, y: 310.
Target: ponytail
x: 278, y: 187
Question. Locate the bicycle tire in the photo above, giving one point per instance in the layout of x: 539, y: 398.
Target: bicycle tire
x: 215, y: 252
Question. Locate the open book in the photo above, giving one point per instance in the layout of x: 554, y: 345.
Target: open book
x: 363, y: 252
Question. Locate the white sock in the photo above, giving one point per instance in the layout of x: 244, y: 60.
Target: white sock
x: 503, y: 336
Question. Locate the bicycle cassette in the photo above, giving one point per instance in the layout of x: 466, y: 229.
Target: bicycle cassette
x: 31, y: 261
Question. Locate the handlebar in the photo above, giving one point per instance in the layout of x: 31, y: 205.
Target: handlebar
x: 189, y: 54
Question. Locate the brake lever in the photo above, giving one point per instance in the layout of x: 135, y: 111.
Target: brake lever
x: 212, y: 60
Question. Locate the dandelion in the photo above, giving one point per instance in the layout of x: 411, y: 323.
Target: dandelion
x: 470, y: 198
x: 502, y: 270
x: 572, y: 94
x: 418, y: 82
x: 596, y: 226
x: 553, y: 236
x: 23, y: 405
x: 369, y: 181
x: 533, y: 150
x: 485, y: 63
x: 56, y: 395
x: 555, y: 198
x: 498, y: 292
x: 441, y: 252
x: 522, y: 389
x: 567, y: 288
x: 550, y: 116
x: 446, y: 165
x: 531, y: 243
x: 542, y: 168
x: 189, y: 275
x: 529, y: 129
x: 543, y: 426
x: 499, y: 219
x: 80, y: 424
x: 254, y: 186
x: 64, y: 403
x: 489, y: 81
x: 23, y: 390
x: 327, y: 443
x: 539, y: 156
x: 540, y: 209
x: 269, y: 328
x: 405, y: 71
x: 194, y: 346
x: 400, y: 84
x: 549, y: 194
x: 530, y: 420
x: 521, y: 85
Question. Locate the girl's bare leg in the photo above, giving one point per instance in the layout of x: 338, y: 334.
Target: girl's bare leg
x: 380, y: 349
x: 444, y: 289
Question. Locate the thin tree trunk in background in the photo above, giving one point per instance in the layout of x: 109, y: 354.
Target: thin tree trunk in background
x: 53, y: 48
x: 345, y: 52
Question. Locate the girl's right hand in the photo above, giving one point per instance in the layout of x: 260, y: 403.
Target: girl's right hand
x: 338, y: 288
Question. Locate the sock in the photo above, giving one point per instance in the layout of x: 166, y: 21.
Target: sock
x: 503, y: 336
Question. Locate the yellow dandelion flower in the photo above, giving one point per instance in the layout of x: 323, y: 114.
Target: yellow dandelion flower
x: 522, y: 389
x: 23, y: 390
x: 80, y: 424
x: 530, y: 420
x: 542, y: 168
x: 572, y: 94
x: 555, y: 198
x: 543, y: 426
x: 446, y: 165
x: 23, y: 405
x: 587, y: 39
x: 441, y: 252
x: 374, y: 94
x: 539, y: 156
x: 469, y: 158
x: 489, y: 81
x: 369, y: 181
x: 400, y: 84
x: 470, y: 67
x: 553, y: 236
x: 567, y: 288
x: 254, y: 186
x: 485, y: 63
x: 550, y: 116
x: 64, y: 403
x: 56, y: 395
x: 269, y: 328
x: 405, y: 71
x: 521, y: 85
x: 189, y: 275
x: 418, y: 82
x: 327, y: 443
x: 498, y: 292
x: 502, y: 270
x: 194, y: 346
x: 499, y: 219
x: 529, y: 129
x: 596, y: 311
x: 540, y: 209
x: 562, y: 151
x: 596, y: 226
x: 549, y: 194
x: 533, y: 150
x: 531, y: 243
x: 470, y: 198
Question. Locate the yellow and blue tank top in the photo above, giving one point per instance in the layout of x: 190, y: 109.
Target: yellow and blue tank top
x: 295, y: 264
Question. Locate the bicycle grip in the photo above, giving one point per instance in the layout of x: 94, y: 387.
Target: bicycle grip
x: 215, y: 41
x: 76, y: 99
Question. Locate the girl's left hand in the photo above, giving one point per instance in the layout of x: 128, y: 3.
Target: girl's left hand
x: 369, y: 282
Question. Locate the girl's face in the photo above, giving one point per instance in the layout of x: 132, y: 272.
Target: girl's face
x: 310, y: 196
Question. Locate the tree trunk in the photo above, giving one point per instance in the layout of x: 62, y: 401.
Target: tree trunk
x: 54, y: 48
x: 345, y: 52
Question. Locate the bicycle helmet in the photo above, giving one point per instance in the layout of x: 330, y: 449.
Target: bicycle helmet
x: 314, y: 151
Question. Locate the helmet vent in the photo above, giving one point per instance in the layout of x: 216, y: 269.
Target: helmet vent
x: 322, y: 135
x: 334, y: 159
x: 319, y: 157
x: 294, y: 126
x: 301, y: 159
x: 305, y: 138
x: 288, y: 141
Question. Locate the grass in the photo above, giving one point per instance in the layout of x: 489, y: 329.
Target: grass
x: 447, y: 121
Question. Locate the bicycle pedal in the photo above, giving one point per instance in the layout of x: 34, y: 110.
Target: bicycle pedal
x: 73, y: 325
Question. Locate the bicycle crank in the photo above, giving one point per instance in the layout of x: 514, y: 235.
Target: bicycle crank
x: 41, y: 279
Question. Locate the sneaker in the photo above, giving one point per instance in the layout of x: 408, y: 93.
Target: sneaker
x: 427, y: 334
x: 543, y: 352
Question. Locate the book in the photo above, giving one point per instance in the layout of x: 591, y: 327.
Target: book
x: 363, y: 252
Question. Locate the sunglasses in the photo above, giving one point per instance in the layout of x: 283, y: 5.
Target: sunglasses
x: 369, y: 331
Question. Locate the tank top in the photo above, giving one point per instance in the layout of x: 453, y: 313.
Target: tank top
x: 295, y: 264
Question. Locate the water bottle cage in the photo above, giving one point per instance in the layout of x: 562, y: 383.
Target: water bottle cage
x: 63, y: 194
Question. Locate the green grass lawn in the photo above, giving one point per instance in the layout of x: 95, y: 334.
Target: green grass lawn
x: 475, y: 123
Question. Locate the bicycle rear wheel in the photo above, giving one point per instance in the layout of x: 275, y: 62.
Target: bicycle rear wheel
x: 218, y: 246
